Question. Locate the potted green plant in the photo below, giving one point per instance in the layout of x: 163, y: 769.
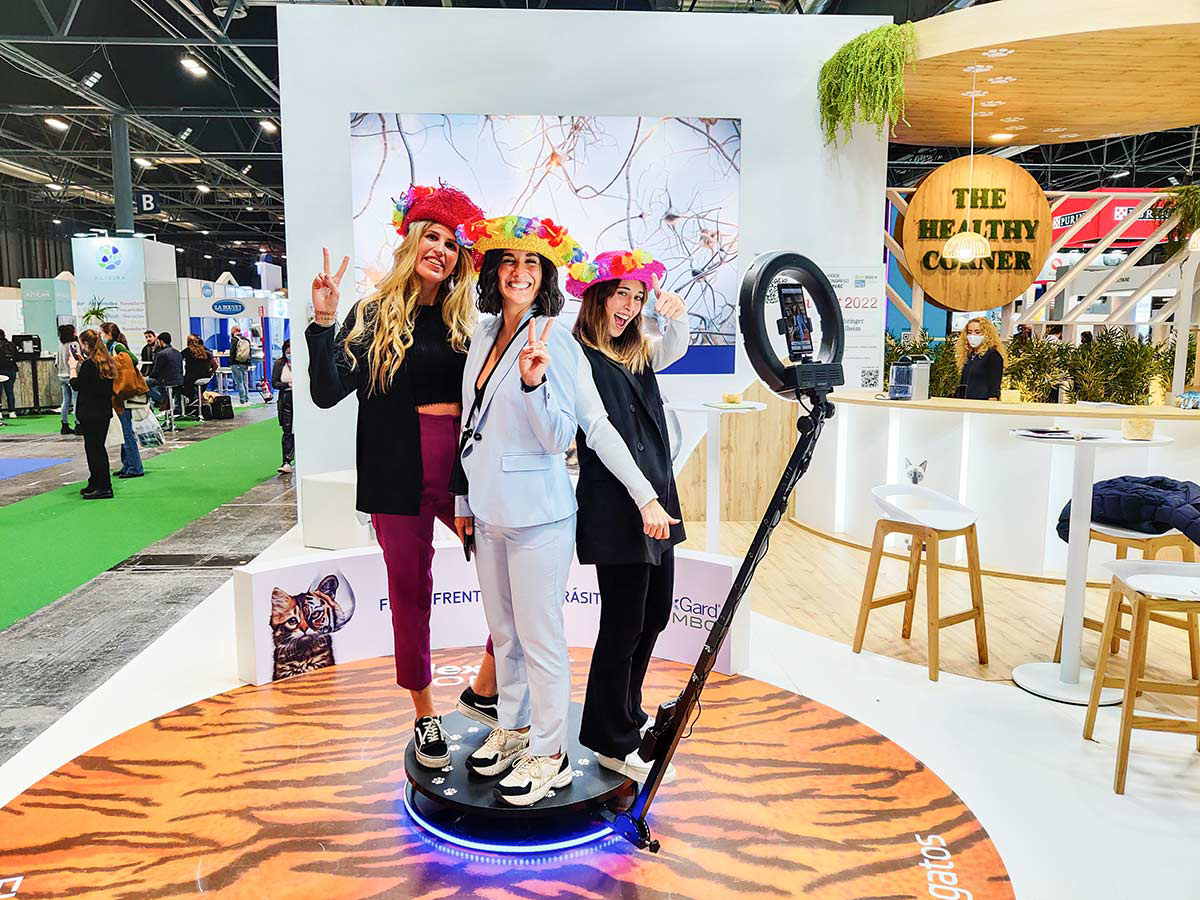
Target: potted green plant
x: 98, y: 311
x: 1035, y: 368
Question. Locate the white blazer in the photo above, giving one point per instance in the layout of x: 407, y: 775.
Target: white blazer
x: 515, y: 460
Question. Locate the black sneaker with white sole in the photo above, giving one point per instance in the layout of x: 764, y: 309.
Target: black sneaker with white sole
x: 431, y: 748
x: 532, y: 778
x: 479, y: 707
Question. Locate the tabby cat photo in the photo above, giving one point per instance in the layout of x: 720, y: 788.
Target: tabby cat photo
x: 302, y: 626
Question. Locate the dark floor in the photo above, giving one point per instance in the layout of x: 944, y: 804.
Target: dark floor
x: 25, y: 446
x: 60, y: 654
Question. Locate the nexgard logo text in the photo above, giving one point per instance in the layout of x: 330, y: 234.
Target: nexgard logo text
x: 693, y: 613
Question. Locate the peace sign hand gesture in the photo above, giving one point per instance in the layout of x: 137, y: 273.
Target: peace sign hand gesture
x: 535, y: 356
x: 667, y: 303
x: 325, y: 293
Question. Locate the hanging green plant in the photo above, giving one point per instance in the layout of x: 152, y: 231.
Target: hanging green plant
x: 97, y: 311
x: 1184, y: 201
x: 864, y: 81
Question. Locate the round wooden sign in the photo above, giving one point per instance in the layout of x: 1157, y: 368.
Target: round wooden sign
x: 1006, y: 206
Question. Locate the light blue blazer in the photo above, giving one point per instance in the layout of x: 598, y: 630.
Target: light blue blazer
x: 514, y: 460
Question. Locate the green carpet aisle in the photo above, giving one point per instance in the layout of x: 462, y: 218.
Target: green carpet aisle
x: 52, y: 422
x: 67, y: 541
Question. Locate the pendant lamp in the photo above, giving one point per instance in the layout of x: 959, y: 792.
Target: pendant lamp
x: 968, y: 246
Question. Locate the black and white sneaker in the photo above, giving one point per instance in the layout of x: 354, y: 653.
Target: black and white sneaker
x: 633, y: 766
x: 498, y: 752
x: 479, y: 707
x: 532, y: 778
x: 431, y: 748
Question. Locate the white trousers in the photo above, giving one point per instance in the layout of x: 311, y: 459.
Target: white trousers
x: 523, y: 576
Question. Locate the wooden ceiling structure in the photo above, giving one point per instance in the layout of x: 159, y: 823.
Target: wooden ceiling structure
x: 1054, y: 72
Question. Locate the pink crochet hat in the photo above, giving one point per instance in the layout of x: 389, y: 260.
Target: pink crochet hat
x: 636, y: 265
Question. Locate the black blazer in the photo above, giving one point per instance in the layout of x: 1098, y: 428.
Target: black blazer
x: 608, y: 528
x: 981, y: 376
x: 388, y: 443
x: 95, y: 394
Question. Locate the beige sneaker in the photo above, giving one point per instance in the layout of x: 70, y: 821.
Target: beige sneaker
x: 532, y: 778
x: 498, y: 752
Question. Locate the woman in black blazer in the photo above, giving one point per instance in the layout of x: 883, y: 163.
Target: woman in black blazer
x: 635, y: 569
x: 980, y: 356
x: 92, y: 381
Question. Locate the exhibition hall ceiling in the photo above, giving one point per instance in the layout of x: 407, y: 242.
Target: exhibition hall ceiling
x: 201, y: 92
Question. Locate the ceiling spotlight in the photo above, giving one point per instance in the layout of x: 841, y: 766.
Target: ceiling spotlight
x: 237, y: 243
x: 54, y: 187
x: 81, y: 234
x: 144, y: 163
x: 233, y: 262
x: 178, y: 249
x: 203, y: 188
x: 138, y: 234
x: 1124, y: 173
x: 56, y: 123
x: 56, y: 221
x: 268, y: 126
x: 1003, y: 136
x: 204, y: 232
x: 208, y: 256
x: 221, y: 9
x: 193, y: 67
x: 249, y: 209
x: 185, y: 134
x: 246, y: 169
x: 91, y: 79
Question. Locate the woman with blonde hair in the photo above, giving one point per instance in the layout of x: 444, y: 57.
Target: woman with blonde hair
x: 92, y: 381
x: 980, y: 356
x: 402, y: 350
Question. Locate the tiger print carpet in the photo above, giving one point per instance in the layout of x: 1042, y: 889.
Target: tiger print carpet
x: 294, y: 790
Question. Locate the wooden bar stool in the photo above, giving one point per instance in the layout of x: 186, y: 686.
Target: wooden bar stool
x: 1149, y: 546
x: 1148, y: 587
x: 928, y: 518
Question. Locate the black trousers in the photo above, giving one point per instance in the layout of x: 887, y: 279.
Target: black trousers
x: 635, y: 607
x: 285, y: 408
x: 94, y: 433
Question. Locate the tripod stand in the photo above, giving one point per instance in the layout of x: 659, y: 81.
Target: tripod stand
x: 672, y: 717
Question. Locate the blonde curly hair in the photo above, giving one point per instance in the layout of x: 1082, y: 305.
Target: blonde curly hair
x: 386, y: 317
x: 991, y: 341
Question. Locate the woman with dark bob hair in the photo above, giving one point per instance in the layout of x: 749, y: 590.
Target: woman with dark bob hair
x: 513, y: 493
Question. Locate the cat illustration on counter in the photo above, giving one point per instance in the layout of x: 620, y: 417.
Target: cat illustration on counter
x: 302, y: 626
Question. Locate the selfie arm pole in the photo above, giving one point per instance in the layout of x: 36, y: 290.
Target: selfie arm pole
x: 632, y: 824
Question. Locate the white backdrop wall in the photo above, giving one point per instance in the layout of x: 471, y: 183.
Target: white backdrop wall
x: 796, y: 194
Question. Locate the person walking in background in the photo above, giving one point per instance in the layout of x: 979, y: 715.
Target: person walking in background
x: 8, y: 367
x: 68, y: 346
x: 240, y: 351
x: 281, y: 381
x: 980, y: 355
x: 131, y: 456
x: 92, y: 380
x: 257, y: 373
x: 198, y: 363
x: 167, y: 371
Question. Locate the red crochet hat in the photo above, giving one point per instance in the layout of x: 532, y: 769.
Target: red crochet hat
x: 445, y: 205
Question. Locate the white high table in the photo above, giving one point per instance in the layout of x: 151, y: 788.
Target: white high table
x: 712, y: 472
x: 1068, y: 681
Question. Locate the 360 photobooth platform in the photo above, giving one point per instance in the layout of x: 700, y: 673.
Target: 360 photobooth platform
x: 295, y: 787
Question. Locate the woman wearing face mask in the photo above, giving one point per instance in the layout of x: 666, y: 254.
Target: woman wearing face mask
x: 402, y: 350
x: 281, y: 381
x: 980, y: 356
x: 529, y: 391
x: 635, y: 570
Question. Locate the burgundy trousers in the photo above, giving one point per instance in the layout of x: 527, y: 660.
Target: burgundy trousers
x: 407, y: 543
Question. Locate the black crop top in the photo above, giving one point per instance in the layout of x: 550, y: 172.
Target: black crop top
x: 435, y: 369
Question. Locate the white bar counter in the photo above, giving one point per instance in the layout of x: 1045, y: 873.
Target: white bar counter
x: 1018, y: 488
